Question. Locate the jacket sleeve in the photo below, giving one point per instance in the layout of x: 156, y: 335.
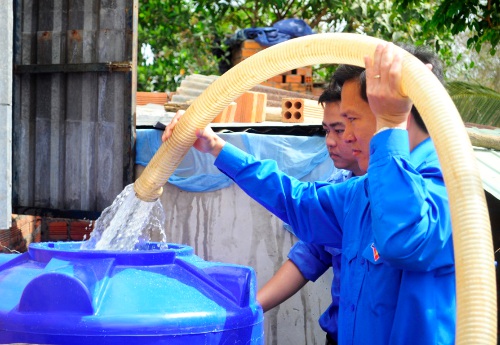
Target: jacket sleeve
x: 311, y: 260
x: 310, y: 208
x: 410, y: 211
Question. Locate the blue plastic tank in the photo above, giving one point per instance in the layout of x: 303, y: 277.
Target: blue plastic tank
x: 58, y: 294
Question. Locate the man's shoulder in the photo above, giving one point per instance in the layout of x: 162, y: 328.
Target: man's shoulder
x: 424, y: 156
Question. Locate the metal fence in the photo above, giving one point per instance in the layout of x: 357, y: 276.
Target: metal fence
x: 73, y: 114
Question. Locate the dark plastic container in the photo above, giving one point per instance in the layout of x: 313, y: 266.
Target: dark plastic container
x: 58, y: 294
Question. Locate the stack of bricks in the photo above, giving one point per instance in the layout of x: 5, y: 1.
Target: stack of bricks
x: 144, y: 98
x: 24, y: 230
x: 297, y: 80
x: 62, y: 229
x: 245, y: 50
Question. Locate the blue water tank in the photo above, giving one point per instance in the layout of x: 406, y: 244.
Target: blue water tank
x: 58, y: 294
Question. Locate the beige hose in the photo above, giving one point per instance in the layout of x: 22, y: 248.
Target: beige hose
x: 475, y: 272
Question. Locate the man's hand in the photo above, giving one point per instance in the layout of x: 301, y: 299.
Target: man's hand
x: 383, y: 87
x: 207, y: 142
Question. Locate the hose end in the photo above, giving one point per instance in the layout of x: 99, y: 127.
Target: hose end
x: 147, y: 195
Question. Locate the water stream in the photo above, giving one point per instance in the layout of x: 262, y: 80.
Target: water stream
x: 128, y: 224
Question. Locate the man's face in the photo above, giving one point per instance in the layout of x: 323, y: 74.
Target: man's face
x: 340, y: 152
x: 360, y: 123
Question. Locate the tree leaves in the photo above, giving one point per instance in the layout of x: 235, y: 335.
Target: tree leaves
x: 189, y: 35
x: 481, y: 18
x: 476, y: 103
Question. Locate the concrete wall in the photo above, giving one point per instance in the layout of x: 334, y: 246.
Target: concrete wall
x: 228, y: 226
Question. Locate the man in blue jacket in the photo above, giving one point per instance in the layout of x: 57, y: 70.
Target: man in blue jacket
x: 308, y: 261
x: 392, y: 224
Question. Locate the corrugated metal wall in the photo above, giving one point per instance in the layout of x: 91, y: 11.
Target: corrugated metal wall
x: 74, y: 87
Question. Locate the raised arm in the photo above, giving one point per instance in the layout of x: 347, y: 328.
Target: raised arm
x: 383, y: 88
x: 410, y: 211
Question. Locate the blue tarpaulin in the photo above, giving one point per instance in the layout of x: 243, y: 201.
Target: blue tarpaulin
x: 304, y: 157
x: 267, y: 36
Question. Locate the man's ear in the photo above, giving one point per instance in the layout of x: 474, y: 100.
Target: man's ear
x: 429, y: 66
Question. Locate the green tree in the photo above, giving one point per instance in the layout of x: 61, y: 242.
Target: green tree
x: 476, y: 103
x: 187, y: 36
x: 181, y: 36
x: 480, y: 18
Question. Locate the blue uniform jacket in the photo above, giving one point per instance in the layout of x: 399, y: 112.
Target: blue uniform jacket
x: 393, y: 226
x: 313, y: 260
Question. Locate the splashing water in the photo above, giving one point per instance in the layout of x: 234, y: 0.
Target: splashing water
x: 128, y: 224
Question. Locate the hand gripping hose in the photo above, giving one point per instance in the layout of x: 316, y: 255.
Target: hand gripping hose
x: 475, y: 271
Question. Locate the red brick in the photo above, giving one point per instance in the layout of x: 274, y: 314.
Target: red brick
x: 143, y: 98
x: 227, y: 115
x: 276, y: 79
x: 20, y: 234
x: 251, y: 107
x: 293, y: 78
x: 58, y: 231
x: 298, y: 87
x: 80, y: 229
x: 245, y: 52
x: 251, y: 44
x: 305, y: 71
x: 5, y: 241
x: 292, y: 110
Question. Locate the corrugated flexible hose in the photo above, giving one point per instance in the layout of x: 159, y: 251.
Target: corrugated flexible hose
x: 475, y: 270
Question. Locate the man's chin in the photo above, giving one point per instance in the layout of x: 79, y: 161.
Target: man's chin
x: 363, y: 164
x: 340, y: 166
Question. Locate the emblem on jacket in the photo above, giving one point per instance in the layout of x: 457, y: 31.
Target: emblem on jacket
x: 376, y: 256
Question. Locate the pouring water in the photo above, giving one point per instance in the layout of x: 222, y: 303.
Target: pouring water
x: 128, y: 224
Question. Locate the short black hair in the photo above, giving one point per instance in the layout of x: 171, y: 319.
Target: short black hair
x: 346, y: 73
x: 330, y: 95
